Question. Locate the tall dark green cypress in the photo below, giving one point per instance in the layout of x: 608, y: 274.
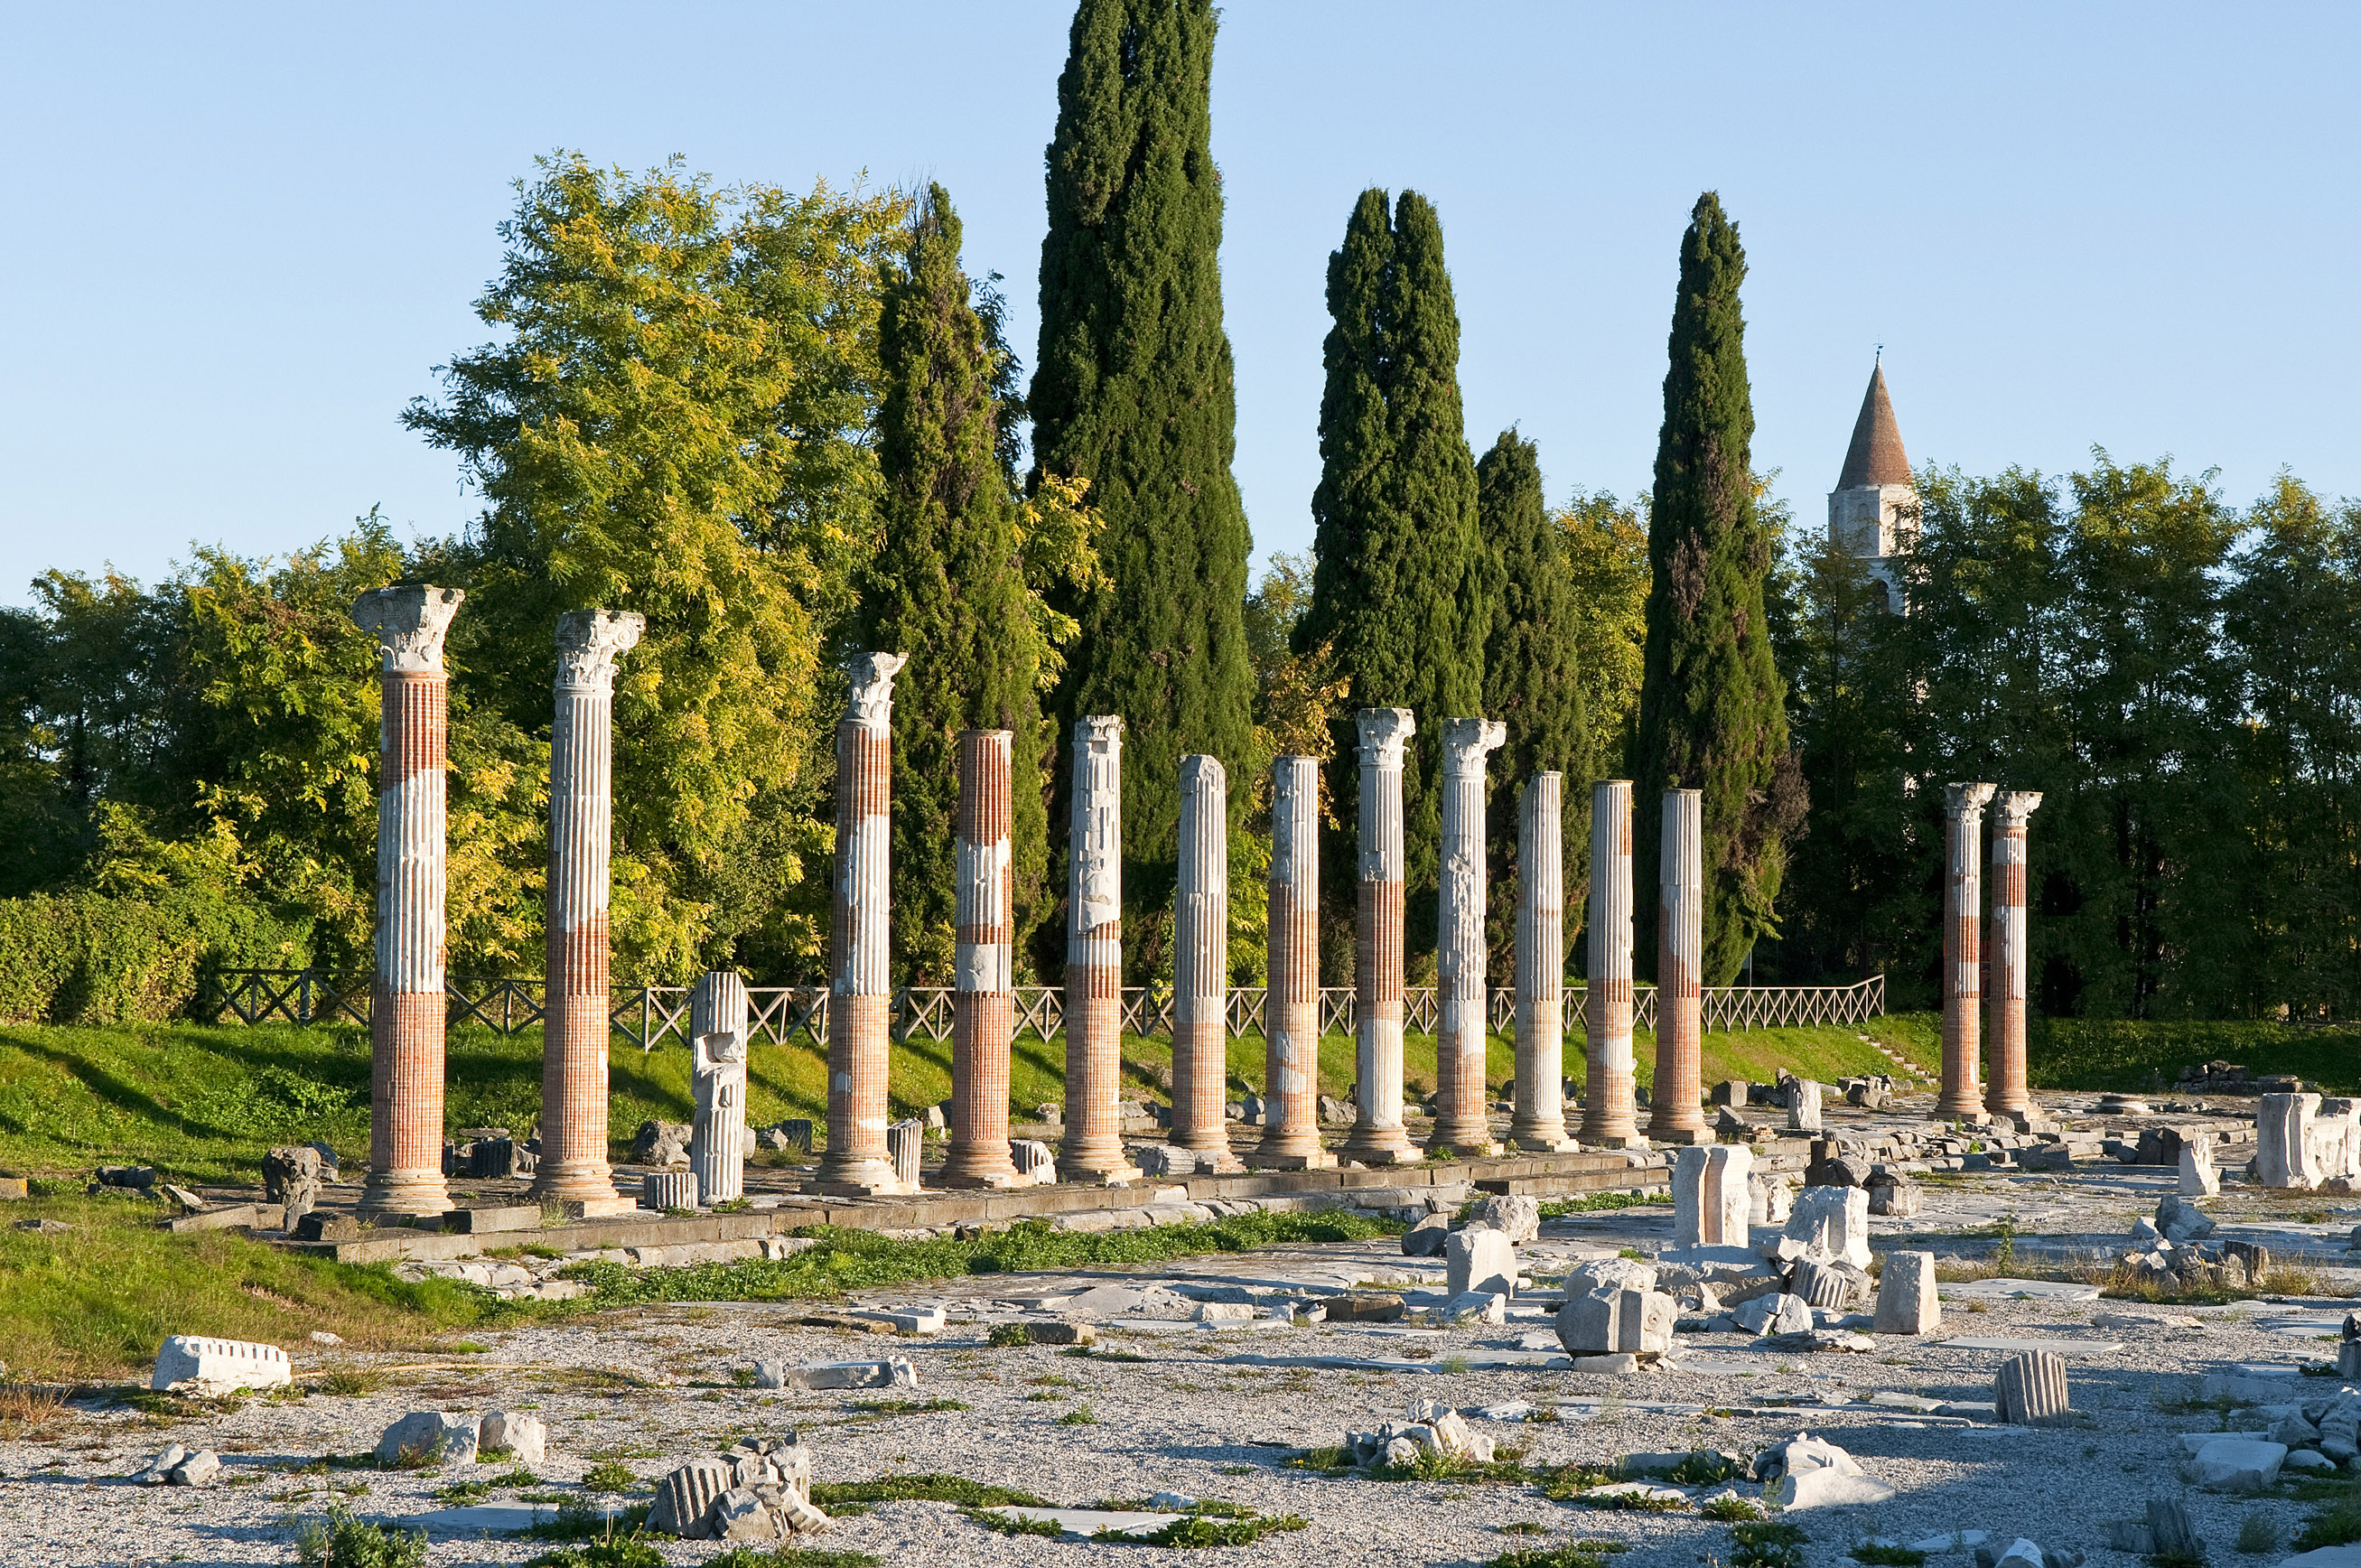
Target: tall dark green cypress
x: 1399, y: 587
x: 1135, y: 392
x: 1532, y: 682
x: 1712, y: 706
x: 946, y: 589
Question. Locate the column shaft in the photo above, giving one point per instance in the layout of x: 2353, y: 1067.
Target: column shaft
x: 1608, y: 1109
x: 720, y: 1044
x: 581, y: 830
x: 1540, y: 1120
x: 1463, y: 1101
x: 2007, y: 1096
x: 1291, y: 1019
x: 1201, y: 962
x: 1963, y: 815
x: 1378, y: 1136
x: 984, y: 1004
x: 860, y: 997
x: 407, y: 1010
x: 1092, y: 1147
x: 1676, y: 1113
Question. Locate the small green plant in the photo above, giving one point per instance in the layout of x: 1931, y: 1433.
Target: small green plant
x: 624, y: 1552
x: 903, y: 1406
x: 1523, y: 1527
x: 1565, y: 1483
x: 459, y: 1494
x: 469, y: 1347
x: 1636, y: 1502
x: 2337, y: 1522
x: 931, y: 1487
x: 519, y: 1476
x: 2258, y: 1534
x: 793, y: 1557
x: 1080, y: 1415
x: 1882, y: 1555
x: 1008, y: 1336
x: 609, y: 1476
x: 2004, y: 1248
x: 1575, y: 1554
x: 1201, y: 1529
x: 1767, y: 1543
x: 350, y: 1382
x: 1014, y: 1524
x: 1729, y: 1507
x: 340, y: 1541
x: 578, y: 1518
x: 1331, y: 1458
x: 1703, y: 1467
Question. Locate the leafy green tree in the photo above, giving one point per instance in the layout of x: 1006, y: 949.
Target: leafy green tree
x: 1398, y: 591
x: 946, y: 586
x: 1712, y: 705
x: 1135, y: 393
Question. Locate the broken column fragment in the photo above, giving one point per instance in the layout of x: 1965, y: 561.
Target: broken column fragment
x: 718, y: 1044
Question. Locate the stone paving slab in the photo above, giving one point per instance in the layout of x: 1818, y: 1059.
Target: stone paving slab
x: 2016, y: 1346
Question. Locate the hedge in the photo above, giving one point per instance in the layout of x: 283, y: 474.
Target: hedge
x: 87, y: 958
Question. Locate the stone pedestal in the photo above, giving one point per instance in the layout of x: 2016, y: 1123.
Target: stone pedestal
x: 1906, y: 1302
x: 574, y: 1025
x: 857, y: 1162
x: 2284, y: 1156
x: 1539, y: 1124
x: 1610, y: 1114
x: 1463, y: 1121
x: 1091, y: 1149
x: 1290, y: 1122
x: 407, y: 1012
x: 1377, y: 1136
x: 1675, y: 1113
x: 1200, y: 965
x: 720, y: 1044
x: 984, y: 1001
x: 1712, y: 1195
x: 2008, y: 1097
x: 1963, y: 816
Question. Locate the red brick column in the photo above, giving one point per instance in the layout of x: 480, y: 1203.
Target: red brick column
x: 1378, y: 1136
x: 407, y: 1012
x: 1290, y: 1017
x: 1201, y: 963
x: 1963, y: 982
x: 581, y: 830
x: 2008, y: 1097
x: 1610, y: 1114
x: 1093, y: 1148
x: 860, y: 999
x: 1677, y: 1113
x: 983, y: 1006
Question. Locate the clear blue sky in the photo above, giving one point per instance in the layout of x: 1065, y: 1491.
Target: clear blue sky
x: 240, y: 237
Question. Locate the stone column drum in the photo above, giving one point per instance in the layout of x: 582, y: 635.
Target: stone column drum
x: 1092, y: 1147
x: 719, y: 1040
x: 407, y: 1012
x: 581, y: 830
x: 1291, y: 1017
x: 1463, y: 1110
x: 984, y: 1003
x: 1609, y: 1112
x: 857, y: 1162
x: 1201, y: 963
x: 1963, y: 818
x: 1676, y: 1113
x: 1378, y: 1137
x: 1540, y: 1120
x: 2006, y: 1097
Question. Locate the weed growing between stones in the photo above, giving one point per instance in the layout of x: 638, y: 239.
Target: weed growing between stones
x: 1197, y: 1530
x: 459, y: 1494
x: 1575, y: 1554
x: 1080, y: 1415
x: 1008, y: 1336
x: 1014, y: 1524
x: 1729, y: 1507
x: 610, y: 1476
x: 933, y: 1488
x: 579, y: 1520
x: 629, y: 1552
x: 2336, y: 1523
x: 1600, y: 1202
x: 1880, y: 1555
x: 793, y: 1557
x: 1767, y: 1543
x: 25, y: 1408
x: 903, y: 1406
x: 341, y: 1541
x: 2258, y: 1534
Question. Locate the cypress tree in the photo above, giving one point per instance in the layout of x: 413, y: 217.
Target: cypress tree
x: 1135, y: 393
x: 1532, y: 677
x: 948, y: 588
x: 1399, y: 587
x: 1712, y: 706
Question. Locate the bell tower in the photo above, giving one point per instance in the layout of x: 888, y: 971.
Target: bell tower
x: 1874, y: 492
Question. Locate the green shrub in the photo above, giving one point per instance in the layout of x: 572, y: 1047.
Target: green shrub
x: 1767, y: 1543
x: 87, y: 958
x: 609, y: 1475
x: 932, y: 1487
x: 341, y: 1541
x: 626, y: 1552
x: 1880, y: 1555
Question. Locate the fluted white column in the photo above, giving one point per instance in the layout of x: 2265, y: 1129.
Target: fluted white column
x: 581, y: 831
x: 1093, y: 1146
x: 1677, y: 1113
x: 1463, y: 1101
x: 407, y: 1014
x: 1291, y: 1019
x: 1540, y: 1120
x: 984, y: 1003
x: 2008, y: 1096
x: 1963, y: 982
x: 1201, y: 962
x: 1608, y: 1109
x: 1378, y: 1136
x: 860, y: 996
x: 719, y: 1041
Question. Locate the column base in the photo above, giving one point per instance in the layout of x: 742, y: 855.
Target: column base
x: 1225, y: 1158
x: 1544, y: 1142
x: 872, y: 1176
x: 561, y: 1183
x: 1096, y: 1174
x: 975, y: 1179
x: 405, y: 1192
x: 1619, y: 1141
x: 1290, y: 1159
x: 1975, y: 1116
x: 597, y: 1207
x: 1379, y: 1146
x: 1464, y: 1150
x: 1681, y: 1135
x: 2028, y: 1120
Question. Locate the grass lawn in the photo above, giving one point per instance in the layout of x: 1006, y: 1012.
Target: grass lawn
x: 2098, y: 1053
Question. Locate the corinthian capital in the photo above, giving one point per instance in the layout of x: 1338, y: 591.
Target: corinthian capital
x: 1966, y: 801
x: 588, y: 643
x: 409, y: 623
x: 870, y: 702
x: 1468, y: 742
x: 1383, y: 732
x: 2016, y: 806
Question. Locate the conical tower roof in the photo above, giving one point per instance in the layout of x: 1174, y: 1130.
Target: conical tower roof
x: 1875, y: 456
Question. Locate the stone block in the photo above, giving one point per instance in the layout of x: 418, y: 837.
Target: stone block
x: 1895, y: 1195
x: 1168, y: 1160
x: 1064, y: 1330
x: 2283, y: 1148
x: 1831, y: 1283
x: 1518, y: 1217
x: 661, y: 1143
x: 1712, y: 1195
x: 2030, y: 1390
x: 1479, y: 1258
x: 1428, y: 1237
x: 1803, y: 1101
x: 894, y: 1372
x: 160, y: 1469
x: 488, y: 1220
x: 667, y: 1190
x: 1832, y: 1222
x: 1614, y: 1320
x: 1906, y: 1297
x: 432, y: 1436
x: 2237, y: 1464
x: 218, y: 1366
x: 2199, y: 1177
x: 2181, y: 1221
x: 1475, y: 1307
x: 523, y: 1435
x: 1364, y: 1307
x: 685, y: 1499
x: 197, y: 1469
x: 1770, y: 1198
x: 1812, y: 1472
x: 1732, y: 1093
x: 1771, y: 1315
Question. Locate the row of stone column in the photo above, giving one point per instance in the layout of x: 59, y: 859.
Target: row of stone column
x: 2005, y: 1098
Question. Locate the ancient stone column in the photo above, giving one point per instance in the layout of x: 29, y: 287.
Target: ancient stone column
x: 2007, y: 1096
x: 857, y: 1161
x: 1677, y: 1115
x: 1463, y: 1102
x: 719, y: 1040
x: 1963, y: 818
x: 1378, y: 1137
x: 1201, y: 963
x: 406, y: 1015
x: 1609, y: 1116
x: 984, y: 1003
x: 1539, y: 1120
x: 581, y: 829
x: 1291, y: 1017
x: 1092, y: 1147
